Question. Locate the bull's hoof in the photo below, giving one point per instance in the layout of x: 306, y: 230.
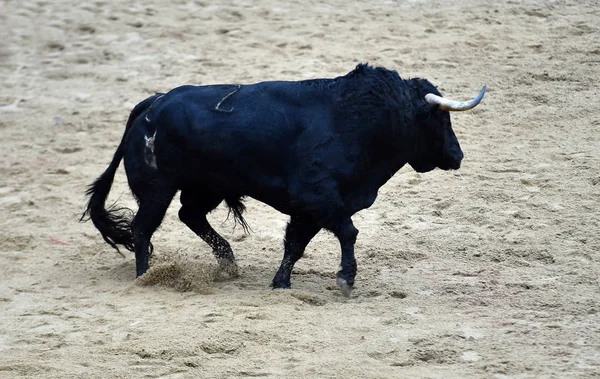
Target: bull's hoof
x: 229, y: 267
x: 345, y: 287
x: 141, y: 271
x: 280, y: 285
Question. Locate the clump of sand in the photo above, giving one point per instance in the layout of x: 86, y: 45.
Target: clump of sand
x: 179, y: 272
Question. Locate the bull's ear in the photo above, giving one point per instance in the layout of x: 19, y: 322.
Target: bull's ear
x: 425, y: 110
x: 421, y: 88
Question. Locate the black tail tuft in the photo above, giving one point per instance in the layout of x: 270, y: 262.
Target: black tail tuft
x: 237, y: 208
x: 113, y: 223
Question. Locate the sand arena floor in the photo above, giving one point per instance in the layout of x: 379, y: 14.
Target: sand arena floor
x: 491, y: 276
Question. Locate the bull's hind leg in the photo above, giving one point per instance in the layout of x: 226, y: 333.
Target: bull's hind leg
x: 153, y: 198
x: 195, y: 207
x: 298, y: 234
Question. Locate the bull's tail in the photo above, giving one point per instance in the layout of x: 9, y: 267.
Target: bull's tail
x: 113, y: 223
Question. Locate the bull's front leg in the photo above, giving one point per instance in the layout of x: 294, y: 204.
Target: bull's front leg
x: 346, y: 234
x: 300, y: 231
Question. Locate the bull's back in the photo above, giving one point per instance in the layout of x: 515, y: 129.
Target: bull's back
x: 242, y: 136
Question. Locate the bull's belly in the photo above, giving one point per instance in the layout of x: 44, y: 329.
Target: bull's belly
x: 270, y: 189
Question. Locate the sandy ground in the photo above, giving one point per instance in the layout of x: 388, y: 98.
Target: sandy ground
x: 491, y: 276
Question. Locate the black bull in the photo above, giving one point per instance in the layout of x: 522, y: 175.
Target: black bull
x: 317, y: 150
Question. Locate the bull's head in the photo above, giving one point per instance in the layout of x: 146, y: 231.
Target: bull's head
x: 437, y: 144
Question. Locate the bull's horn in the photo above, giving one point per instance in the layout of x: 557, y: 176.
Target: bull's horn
x: 451, y: 105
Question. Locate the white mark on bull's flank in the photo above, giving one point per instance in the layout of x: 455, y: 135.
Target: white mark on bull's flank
x: 149, y: 156
x: 217, y: 107
x: 150, y: 108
